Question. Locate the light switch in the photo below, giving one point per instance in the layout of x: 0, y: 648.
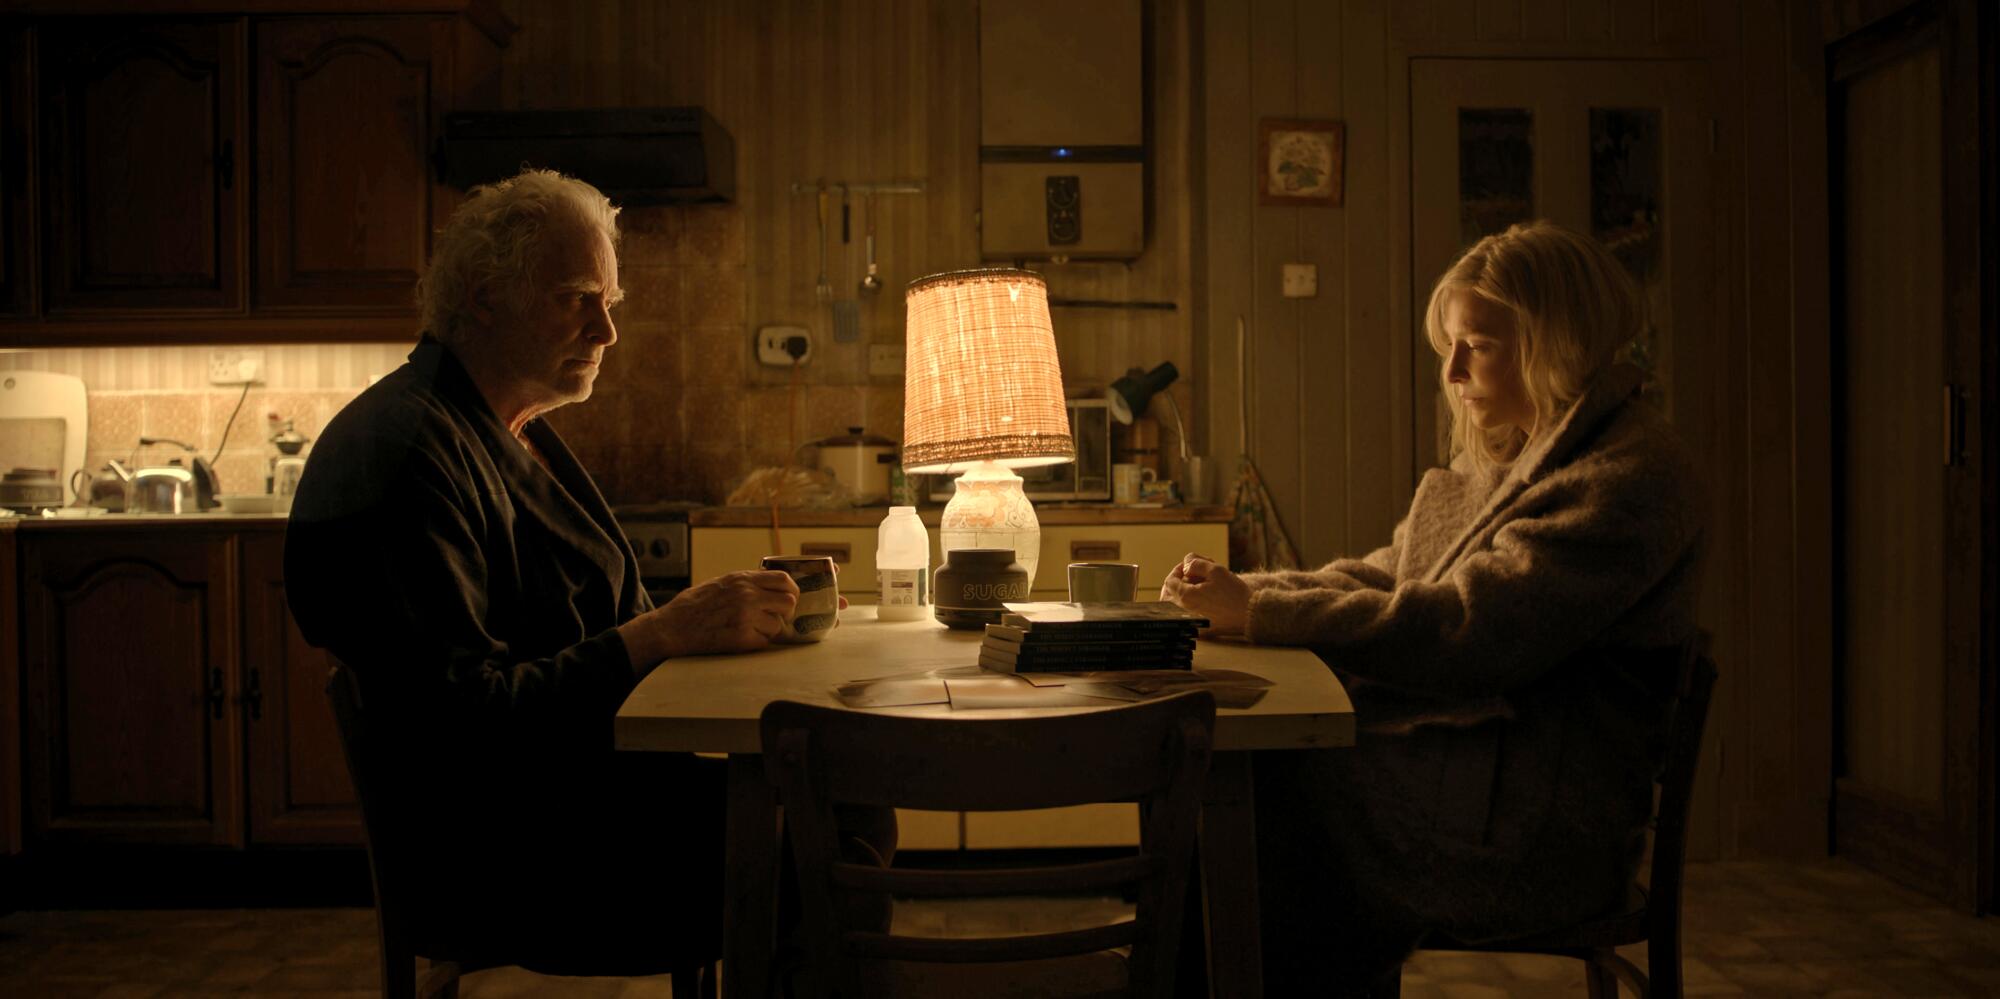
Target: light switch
x: 1301, y: 280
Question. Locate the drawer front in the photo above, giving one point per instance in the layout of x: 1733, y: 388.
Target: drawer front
x: 1155, y: 548
x: 716, y: 550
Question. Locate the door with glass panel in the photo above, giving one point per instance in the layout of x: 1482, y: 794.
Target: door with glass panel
x: 1616, y: 149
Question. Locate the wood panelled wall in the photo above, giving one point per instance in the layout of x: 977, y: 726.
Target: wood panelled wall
x: 859, y: 91
x: 1328, y: 401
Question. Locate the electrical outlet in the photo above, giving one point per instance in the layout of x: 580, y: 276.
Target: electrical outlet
x: 775, y: 345
x: 235, y: 366
x: 1301, y: 281
x: 885, y: 360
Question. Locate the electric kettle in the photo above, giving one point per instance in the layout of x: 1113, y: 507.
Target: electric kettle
x: 173, y: 487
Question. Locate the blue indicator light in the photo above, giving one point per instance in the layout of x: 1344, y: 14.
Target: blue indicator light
x: 1062, y: 153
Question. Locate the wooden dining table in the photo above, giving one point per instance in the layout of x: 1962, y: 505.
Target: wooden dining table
x: 712, y: 704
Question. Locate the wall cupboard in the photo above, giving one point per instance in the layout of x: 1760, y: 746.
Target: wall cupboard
x: 216, y: 178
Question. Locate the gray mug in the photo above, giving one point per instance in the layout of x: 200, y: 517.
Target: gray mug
x: 1102, y: 582
x: 818, y: 609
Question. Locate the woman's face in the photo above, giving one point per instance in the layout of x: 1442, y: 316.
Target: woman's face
x: 1483, y: 366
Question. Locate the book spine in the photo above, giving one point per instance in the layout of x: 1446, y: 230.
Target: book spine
x: 1002, y: 665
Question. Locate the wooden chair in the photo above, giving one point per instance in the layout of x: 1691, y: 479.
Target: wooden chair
x: 1655, y: 917
x: 1155, y: 753
x: 401, y: 937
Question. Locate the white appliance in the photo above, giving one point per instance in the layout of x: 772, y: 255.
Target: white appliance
x: 1062, y: 130
x: 43, y: 419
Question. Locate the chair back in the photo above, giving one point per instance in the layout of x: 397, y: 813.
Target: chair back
x: 1155, y: 753
x: 1670, y: 823
x: 394, y: 922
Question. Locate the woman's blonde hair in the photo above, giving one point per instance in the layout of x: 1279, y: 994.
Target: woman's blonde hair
x: 1573, y: 304
x: 493, y: 244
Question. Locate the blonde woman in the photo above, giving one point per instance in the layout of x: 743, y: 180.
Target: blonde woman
x: 1511, y: 653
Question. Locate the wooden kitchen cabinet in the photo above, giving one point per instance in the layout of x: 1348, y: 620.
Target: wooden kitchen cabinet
x: 298, y: 784
x: 130, y: 644
x: 713, y: 551
x: 345, y: 201
x: 170, y: 697
x: 17, y: 101
x: 142, y: 165
x: 270, y: 176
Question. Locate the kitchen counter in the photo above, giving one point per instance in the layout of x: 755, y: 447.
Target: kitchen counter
x: 227, y: 521
x: 1048, y: 514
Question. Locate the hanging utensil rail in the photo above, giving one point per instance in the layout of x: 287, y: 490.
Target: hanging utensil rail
x: 859, y: 187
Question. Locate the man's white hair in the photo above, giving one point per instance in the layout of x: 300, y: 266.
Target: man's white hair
x: 493, y: 242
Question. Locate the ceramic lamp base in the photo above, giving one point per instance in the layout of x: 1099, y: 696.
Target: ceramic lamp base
x: 990, y: 509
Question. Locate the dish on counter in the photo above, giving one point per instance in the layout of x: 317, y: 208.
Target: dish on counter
x: 248, y: 502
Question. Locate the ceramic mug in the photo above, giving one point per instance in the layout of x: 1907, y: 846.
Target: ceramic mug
x: 1102, y: 582
x: 818, y: 609
x: 1126, y: 480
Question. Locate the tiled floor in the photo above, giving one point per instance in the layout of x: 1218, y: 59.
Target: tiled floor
x: 1754, y: 929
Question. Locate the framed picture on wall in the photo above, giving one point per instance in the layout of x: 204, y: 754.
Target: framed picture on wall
x: 1299, y: 161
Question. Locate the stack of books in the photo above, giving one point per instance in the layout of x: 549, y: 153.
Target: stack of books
x: 1067, y: 637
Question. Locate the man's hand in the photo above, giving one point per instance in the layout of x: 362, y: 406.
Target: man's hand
x: 734, y: 612
x: 1203, y: 586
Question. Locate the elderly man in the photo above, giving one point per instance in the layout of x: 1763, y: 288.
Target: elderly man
x: 447, y: 545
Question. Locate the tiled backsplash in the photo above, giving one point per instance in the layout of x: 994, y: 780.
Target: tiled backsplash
x: 164, y: 392
x: 675, y: 414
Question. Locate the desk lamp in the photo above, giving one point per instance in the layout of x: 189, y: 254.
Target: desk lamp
x: 982, y: 395
x: 1129, y: 396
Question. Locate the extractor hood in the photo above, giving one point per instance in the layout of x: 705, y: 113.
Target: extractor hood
x: 637, y: 156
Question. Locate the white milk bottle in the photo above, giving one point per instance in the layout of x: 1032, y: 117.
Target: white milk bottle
x: 902, y: 564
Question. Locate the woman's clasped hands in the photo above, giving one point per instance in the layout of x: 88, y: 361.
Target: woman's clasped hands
x: 1204, y: 586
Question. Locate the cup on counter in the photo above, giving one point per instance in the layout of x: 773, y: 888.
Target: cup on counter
x: 1102, y: 582
x: 1127, y: 479
x: 818, y: 609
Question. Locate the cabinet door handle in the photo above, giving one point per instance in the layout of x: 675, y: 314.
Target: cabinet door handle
x: 839, y: 551
x: 1095, y: 551
x: 1954, y: 426
x: 253, y: 696
x: 215, y: 693
x: 225, y: 164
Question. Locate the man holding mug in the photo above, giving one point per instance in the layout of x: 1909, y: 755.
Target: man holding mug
x: 449, y: 548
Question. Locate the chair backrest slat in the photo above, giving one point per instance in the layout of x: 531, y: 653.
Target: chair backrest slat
x: 923, y: 762
x: 970, y: 950
x: 1155, y: 753
x: 1064, y: 879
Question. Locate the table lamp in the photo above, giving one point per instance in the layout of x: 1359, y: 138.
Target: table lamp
x: 982, y: 395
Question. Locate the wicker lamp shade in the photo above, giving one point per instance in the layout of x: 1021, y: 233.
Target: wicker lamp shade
x: 981, y: 379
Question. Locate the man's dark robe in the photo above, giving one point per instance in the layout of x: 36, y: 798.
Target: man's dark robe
x: 476, y: 593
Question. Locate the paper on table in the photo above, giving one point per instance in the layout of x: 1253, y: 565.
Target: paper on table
x: 892, y: 693
x: 953, y: 669
x: 1110, y: 691
x: 1004, y: 691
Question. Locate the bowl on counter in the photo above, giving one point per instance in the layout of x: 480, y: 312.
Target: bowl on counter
x: 248, y: 502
